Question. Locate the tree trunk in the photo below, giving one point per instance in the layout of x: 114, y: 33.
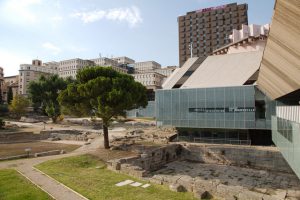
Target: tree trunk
x: 105, y: 134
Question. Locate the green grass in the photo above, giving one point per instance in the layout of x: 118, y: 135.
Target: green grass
x: 80, y: 173
x: 13, y: 186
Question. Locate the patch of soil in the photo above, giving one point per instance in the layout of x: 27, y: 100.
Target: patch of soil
x: 106, y: 154
x: 36, y: 147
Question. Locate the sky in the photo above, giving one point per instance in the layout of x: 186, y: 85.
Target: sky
x: 55, y: 30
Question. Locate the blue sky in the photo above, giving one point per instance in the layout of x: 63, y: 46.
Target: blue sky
x: 65, y: 29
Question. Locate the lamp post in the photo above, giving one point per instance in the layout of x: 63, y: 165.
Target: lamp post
x: 191, y: 49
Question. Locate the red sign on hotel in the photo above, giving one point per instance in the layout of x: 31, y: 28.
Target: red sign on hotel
x: 211, y: 8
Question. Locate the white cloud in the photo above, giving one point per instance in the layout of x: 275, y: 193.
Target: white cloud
x: 56, y: 18
x: 130, y: 15
x: 20, y: 10
x: 51, y: 47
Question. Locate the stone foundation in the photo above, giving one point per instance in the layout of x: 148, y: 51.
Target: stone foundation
x: 228, y: 182
x: 257, y: 157
x: 142, y: 165
x: 219, y: 171
x: 74, y: 135
x: 15, y: 137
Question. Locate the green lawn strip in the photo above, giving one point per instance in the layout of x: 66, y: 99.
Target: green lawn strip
x: 80, y: 173
x: 13, y: 186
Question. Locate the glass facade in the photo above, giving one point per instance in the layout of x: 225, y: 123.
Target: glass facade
x: 149, y: 111
x: 286, y: 136
x: 222, y: 107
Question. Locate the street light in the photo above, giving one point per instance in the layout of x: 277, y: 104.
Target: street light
x: 191, y: 48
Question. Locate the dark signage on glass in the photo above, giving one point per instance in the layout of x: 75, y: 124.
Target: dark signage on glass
x: 222, y: 110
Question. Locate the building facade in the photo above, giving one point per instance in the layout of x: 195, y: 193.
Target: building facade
x: 140, y: 67
x: 152, y: 80
x: 31, y: 72
x: 248, y: 31
x: 204, y: 30
x: 107, y: 62
x: 69, y: 68
x: 124, y: 60
x: 166, y: 71
x: 10, y: 82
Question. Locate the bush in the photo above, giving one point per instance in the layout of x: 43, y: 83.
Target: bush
x: 2, y: 123
x: 60, y: 118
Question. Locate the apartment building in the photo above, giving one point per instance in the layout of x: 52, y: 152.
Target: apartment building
x: 10, y: 82
x: 248, y: 31
x: 31, y: 72
x: 124, y: 60
x: 166, y: 71
x: 140, y: 67
x: 109, y: 63
x: 69, y: 68
x: 152, y: 80
x: 204, y: 30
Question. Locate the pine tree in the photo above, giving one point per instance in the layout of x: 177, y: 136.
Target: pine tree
x: 9, y: 95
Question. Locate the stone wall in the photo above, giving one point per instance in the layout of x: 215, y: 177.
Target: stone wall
x: 265, y: 158
x: 9, y: 137
x: 148, y: 161
x: 74, y: 135
x: 268, y: 158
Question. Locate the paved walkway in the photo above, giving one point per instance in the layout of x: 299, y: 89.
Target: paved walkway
x: 54, y: 188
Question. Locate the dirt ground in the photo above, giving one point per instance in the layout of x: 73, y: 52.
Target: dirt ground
x: 106, y: 154
x: 19, y: 148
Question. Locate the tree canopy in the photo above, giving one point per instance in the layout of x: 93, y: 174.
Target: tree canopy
x: 18, y: 105
x: 44, y: 92
x: 9, y: 95
x: 103, y: 92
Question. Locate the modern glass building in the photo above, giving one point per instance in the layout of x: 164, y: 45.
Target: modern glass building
x: 221, y: 114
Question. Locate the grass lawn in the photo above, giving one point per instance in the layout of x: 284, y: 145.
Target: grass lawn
x: 13, y: 186
x: 80, y: 173
x: 19, y: 148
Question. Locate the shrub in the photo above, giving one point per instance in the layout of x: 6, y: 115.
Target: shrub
x: 61, y: 118
x: 19, y: 105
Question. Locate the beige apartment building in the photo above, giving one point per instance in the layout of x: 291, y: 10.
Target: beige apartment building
x: 146, y: 66
x: 31, y: 72
x: 204, y: 30
x: 124, y: 60
x: 109, y: 63
x: 166, y: 71
x: 152, y: 80
x: 69, y: 68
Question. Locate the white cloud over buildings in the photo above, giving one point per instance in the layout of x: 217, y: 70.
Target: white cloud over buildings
x: 131, y: 15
